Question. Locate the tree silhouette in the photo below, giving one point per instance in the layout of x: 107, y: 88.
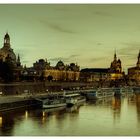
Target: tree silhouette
x: 6, y: 71
x: 49, y: 78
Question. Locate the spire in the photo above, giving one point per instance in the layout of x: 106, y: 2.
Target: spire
x: 7, y: 40
x: 18, y: 58
x: 115, y: 56
x: 138, y: 62
x: 18, y: 61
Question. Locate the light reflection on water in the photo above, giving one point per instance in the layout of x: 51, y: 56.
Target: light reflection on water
x: 113, y: 116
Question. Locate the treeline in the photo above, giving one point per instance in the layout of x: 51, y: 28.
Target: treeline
x: 6, y: 71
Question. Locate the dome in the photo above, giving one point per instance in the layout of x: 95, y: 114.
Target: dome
x: 4, y: 53
x: 119, y: 61
x: 72, y: 64
x: 60, y: 63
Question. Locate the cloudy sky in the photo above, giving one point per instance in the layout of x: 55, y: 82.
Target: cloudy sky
x: 86, y: 34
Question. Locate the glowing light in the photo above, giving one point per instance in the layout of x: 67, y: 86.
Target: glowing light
x: 26, y: 114
x: 0, y: 121
x: 43, y: 114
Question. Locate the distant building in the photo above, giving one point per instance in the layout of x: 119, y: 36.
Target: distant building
x: 134, y: 72
x: 60, y: 72
x: 8, y: 56
x: 116, y: 69
x: 94, y: 74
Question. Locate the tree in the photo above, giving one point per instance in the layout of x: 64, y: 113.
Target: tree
x: 6, y: 71
x: 49, y: 78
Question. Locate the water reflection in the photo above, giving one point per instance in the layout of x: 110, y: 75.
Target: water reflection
x: 6, y: 124
x: 138, y: 107
x: 26, y: 114
x: 116, y: 106
x: 93, y: 118
x: 74, y: 109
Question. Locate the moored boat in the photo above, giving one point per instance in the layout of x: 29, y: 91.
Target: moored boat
x: 91, y: 95
x: 136, y: 90
x: 100, y: 93
x: 54, y: 103
x: 74, y: 99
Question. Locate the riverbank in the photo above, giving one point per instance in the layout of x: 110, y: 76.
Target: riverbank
x: 41, y: 87
x: 11, y: 102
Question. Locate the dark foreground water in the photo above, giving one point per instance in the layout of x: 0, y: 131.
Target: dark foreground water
x: 114, y: 116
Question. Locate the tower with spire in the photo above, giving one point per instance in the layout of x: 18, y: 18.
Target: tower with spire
x: 138, y: 62
x: 18, y: 61
x: 6, y: 41
x: 115, y: 66
x: 134, y: 72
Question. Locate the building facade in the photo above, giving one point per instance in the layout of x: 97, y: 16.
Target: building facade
x: 62, y: 72
x: 43, y: 70
x: 94, y: 74
x: 134, y: 72
x: 116, y: 69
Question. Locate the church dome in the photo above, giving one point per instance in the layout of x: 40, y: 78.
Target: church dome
x: 119, y: 61
x: 60, y: 63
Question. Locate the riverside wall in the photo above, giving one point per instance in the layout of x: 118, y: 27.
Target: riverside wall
x: 23, y: 94
x: 41, y: 87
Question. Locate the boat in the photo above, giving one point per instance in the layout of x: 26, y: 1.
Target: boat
x: 91, y: 95
x: 126, y: 90
x: 53, y: 103
x: 74, y: 99
x: 136, y: 90
x: 122, y: 91
x: 48, y: 110
x: 100, y: 93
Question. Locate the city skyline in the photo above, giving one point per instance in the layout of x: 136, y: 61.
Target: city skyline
x: 86, y: 34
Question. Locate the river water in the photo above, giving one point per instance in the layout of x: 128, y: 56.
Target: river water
x: 106, y: 117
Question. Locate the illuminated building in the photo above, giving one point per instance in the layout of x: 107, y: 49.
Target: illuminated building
x: 42, y: 70
x: 134, y: 72
x: 116, y: 69
x: 93, y: 74
x: 62, y: 72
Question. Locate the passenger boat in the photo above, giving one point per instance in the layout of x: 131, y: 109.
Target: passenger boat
x: 127, y: 90
x: 74, y: 99
x: 136, y: 90
x: 54, y: 103
x: 100, y: 93
x: 91, y: 95
x: 121, y: 91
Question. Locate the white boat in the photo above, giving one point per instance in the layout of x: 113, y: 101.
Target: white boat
x: 126, y: 90
x: 92, y: 95
x: 123, y: 91
x: 100, y: 93
x: 54, y: 103
x: 74, y: 99
x: 136, y: 90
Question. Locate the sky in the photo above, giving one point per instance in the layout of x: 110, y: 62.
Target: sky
x: 86, y: 34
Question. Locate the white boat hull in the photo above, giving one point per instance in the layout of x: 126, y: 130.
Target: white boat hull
x: 76, y: 102
x: 55, y: 105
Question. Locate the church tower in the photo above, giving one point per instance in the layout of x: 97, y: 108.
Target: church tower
x: 115, y: 56
x: 18, y: 61
x: 116, y: 65
x: 138, y: 62
x: 6, y: 41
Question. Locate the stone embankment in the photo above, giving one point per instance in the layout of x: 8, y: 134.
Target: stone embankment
x: 10, y: 102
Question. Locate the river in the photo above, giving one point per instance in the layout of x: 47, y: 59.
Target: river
x: 107, y: 117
